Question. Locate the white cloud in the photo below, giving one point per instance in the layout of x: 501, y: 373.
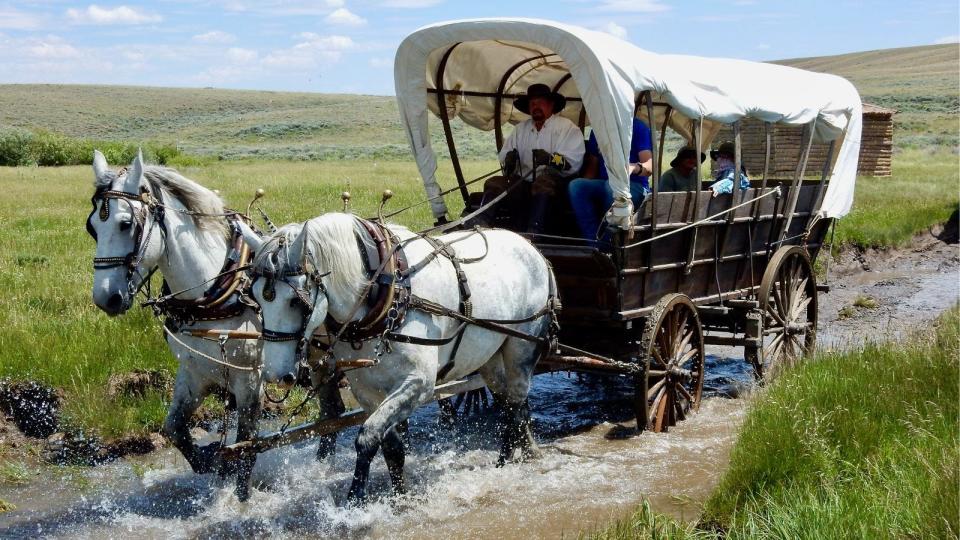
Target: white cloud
x: 410, y: 3
x: 314, y: 51
x: 95, y: 14
x: 237, y: 55
x: 615, y: 30
x: 215, y: 36
x: 345, y: 17
x: 633, y: 6
x: 947, y: 39
x: 13, y: 19
x: 51, y: 48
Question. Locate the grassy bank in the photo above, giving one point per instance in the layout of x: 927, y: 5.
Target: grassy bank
x: 50, y: 331
x: 861, y: 444
x: 888, y: 211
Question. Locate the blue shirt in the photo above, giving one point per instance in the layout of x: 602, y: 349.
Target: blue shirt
x: 638, y: 143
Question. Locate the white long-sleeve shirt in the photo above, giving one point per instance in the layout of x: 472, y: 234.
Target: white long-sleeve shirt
x: 558, y: 135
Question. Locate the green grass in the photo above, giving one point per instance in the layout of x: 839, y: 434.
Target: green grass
x: 888, y: 211
x: 820, y: 456
x: 860, y: 444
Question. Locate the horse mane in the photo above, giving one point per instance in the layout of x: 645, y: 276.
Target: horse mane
x: 167, y: 184
x: 193, y: 196
x: 327, y: 243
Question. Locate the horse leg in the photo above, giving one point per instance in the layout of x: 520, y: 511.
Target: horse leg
x: 397, y: 407
x: 331, y: 406
x: 187, y: 396
x: 248, y: 419
x: 394, y: 453
x: 519, y: 357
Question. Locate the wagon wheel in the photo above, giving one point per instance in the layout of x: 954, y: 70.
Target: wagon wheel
x: 673, y: 343
x: 788, y: 304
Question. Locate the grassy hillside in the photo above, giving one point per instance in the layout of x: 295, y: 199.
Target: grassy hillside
x: 921, y: 83
x: 223, y: 123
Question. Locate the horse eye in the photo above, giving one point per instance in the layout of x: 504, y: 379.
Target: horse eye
x: 125, y: 225
x: 269, y: 294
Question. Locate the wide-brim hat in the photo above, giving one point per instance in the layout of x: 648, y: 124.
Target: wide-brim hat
x: 687, y: 153
x: 726, y: 148
x: 538, y: 90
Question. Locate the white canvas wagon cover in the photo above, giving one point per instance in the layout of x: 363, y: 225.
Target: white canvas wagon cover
x: 607, y: 75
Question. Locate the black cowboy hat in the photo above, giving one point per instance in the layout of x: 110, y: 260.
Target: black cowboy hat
x: 537, y: 91
x: 685, y: 153
x: 725, y: 149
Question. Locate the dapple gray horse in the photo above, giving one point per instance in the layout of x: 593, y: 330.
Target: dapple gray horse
x: 313, y: 273
x: 134, y: 237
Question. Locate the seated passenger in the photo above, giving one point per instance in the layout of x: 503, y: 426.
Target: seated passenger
x: 724, y: 174
x: 682, y: 174
x: 541, y: 153
x: 591, y: 195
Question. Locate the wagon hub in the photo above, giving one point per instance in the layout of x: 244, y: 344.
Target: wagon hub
x: 677, y: 374
x: 793, y: 328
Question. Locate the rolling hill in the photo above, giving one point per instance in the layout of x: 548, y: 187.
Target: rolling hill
x: 922, y: 83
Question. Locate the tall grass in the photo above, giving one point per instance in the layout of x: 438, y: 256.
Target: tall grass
x: 859, y: 444
x: 888, y: 211
x: 862, y: 444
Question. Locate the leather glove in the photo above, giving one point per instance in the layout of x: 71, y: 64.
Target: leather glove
x: 621, y: 213
x: 554, y: 160
x: 511, y: 163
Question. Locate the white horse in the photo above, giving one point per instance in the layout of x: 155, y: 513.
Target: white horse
x: 186, y: 237
x: 311, y: 274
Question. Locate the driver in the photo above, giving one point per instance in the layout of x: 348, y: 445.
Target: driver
x: 542, y: 153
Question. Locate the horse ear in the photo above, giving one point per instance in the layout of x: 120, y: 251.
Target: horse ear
x: 249, y: 236
x: 100, y: 166
x: 135, y: 174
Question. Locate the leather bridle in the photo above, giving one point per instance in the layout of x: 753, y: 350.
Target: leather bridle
x: 148, y: 206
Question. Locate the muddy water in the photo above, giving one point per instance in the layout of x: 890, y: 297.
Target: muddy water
x: 585, y: 477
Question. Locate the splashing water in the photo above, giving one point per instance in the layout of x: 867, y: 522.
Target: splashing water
x: 583, y: 479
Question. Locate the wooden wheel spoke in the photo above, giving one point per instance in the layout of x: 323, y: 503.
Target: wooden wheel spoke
x: 678, y: 407
x: 652, y: 391
x: 655, y: 353
x: 682, y: 344
x: 685, y: 393
x: 682, y: 361
x: 799, y: 313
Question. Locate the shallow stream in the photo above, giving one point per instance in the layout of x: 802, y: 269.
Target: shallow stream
x: 585, y: 477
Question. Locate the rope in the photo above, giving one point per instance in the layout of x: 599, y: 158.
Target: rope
x: 207, y: 356
x: 775, y: 191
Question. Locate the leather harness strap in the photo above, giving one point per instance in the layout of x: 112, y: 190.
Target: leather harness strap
x: 224, y: 298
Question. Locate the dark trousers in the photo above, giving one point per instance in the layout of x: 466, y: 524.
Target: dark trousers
x: 527, y: 203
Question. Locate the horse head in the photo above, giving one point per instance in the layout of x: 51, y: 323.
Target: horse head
x: 121, y: 223
x: 292, y: 298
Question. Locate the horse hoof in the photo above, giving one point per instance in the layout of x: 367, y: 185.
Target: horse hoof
x: 207, y: 459
x: 242, y: 491
x: 356, y: 499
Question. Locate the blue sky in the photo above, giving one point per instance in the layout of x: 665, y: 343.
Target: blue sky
x: 348, y: 45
